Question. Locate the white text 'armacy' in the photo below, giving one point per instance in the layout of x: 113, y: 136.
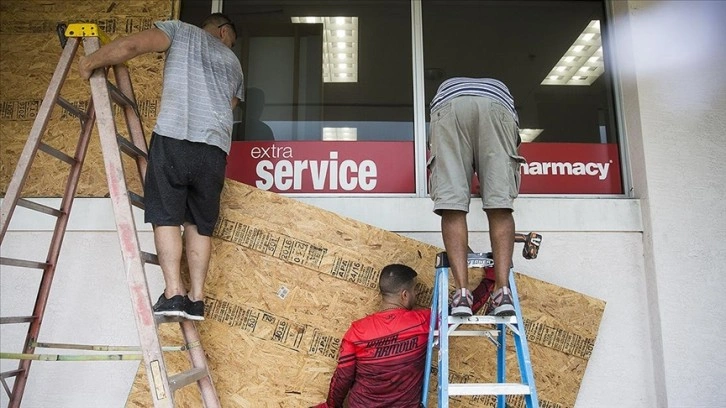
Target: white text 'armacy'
x: 567, y: 169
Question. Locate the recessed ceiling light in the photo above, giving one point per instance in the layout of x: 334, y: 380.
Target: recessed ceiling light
x: 584, y: 55
x: 340, y: 46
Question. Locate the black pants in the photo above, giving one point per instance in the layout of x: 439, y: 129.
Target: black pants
x: 184, y: 181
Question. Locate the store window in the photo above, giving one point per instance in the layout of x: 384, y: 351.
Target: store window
x: 329, y: 106
x: 330, y: 101
x: 553, y: 56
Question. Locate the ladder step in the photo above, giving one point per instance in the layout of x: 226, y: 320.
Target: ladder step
x: 187, y: 377
x: 11, y: 373
x: 39, y: 207
x: 72, y: 109
x: 489, y: 389
x: 119, y: 96
x: 168, y: 319
x: 56, y: 153
x: 136, y: 200
x: 150, y: 258
x: 23, y: 263
x: 486, y: 333
x: 479, y: 260
x: 483, y: 320
x: 129, y: 148
x: 16, y: 319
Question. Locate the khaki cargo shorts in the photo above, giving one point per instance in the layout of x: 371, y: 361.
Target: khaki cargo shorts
x: 468, y: 134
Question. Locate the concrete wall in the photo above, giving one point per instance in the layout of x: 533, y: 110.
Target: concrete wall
x: 679, y: 50
x: 89, y: 304
x: 654, y: 260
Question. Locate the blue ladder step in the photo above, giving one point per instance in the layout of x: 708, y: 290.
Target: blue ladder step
x: 482, y: 320
x: 489, y: 389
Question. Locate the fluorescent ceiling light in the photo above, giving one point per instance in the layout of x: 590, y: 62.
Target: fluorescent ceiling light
x: 528, y: 135
x: 340, y: 46
x: 583, y: 62
x: 340, y: 134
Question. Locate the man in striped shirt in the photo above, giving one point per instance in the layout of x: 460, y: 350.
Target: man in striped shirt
x: 202, y: 83
x: 474, y: 128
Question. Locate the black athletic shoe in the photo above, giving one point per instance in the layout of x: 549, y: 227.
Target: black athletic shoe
x: 193, y: 310
x: 170, y: 307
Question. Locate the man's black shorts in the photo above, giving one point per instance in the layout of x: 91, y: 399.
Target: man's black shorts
x: 184, y: 181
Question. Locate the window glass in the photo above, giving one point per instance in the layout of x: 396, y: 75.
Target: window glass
x: 553, y: 57
x: 329, y: 96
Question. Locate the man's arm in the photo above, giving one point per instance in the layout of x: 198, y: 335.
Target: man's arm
x: 340, y: 384
x: 343, y: 377
x: 123, y: 49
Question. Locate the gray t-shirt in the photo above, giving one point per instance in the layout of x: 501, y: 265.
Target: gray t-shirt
x: 201, y: 76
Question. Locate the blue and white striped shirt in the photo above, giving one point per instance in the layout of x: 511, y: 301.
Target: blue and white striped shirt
x: 459, y: 86
x: 201, y: 76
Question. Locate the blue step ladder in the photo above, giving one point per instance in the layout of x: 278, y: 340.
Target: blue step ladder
x: 440, y: 318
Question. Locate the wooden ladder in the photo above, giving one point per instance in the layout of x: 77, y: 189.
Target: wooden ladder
x: 99, y: 111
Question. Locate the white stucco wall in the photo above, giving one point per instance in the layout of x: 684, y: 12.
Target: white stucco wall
x: 89, y: 303
x: 661, y: 339
x: 679, y: 50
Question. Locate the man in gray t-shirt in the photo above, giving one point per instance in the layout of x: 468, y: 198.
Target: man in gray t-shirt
x: 203, y: 82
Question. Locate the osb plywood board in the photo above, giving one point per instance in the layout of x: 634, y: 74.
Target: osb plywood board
x: 286, y: 280
x: 30, y: 50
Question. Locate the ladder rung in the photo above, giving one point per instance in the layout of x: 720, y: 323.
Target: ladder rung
x: 16, y: 319
x: 72, y: 109
x: 119, y: 96
x: 39, y: 207
x: 185, y: 378
x: 23, y: 263
x: 56, y: 153
x: 96, y: 347
x: 11, y: 373
x: 71, y: 357
x: 136, y: 199
x: 486, y: 333
x: 129, y: 148
x: 479, y: 260
x: 168, y: 319
x: 489, y: 389
x: 483, y: 320
x: 150, y: 258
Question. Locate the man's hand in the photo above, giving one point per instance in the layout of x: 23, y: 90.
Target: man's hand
x: 123, y: 49
x: 84, y: 68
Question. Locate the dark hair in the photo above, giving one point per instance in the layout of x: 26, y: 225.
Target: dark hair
x: 394, y: 278
x: 218, y: 20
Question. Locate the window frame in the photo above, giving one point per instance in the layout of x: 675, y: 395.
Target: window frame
x: 420, y: 106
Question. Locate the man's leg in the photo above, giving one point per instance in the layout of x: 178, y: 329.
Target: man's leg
x: 455, y: 234
x: 199, y: 250
x: 501, y: 235
x: 168, y: 242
